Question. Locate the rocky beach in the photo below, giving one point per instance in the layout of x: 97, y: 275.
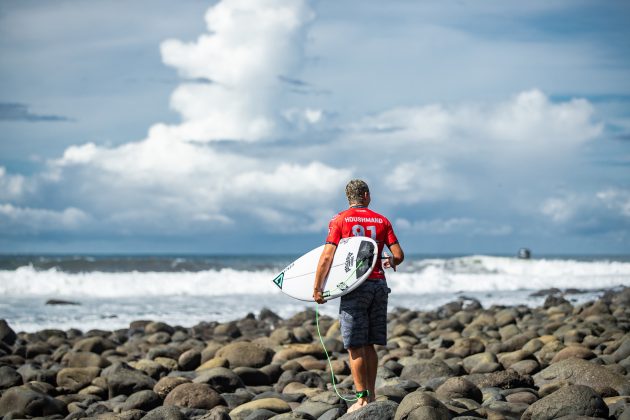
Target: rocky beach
x: 461, y: 360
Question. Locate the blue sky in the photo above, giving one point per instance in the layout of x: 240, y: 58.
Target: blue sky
x: 233, y: 126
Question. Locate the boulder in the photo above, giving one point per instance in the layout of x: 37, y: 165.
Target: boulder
x: 382, y: 410
x: 221, y: 379
x: 25, y: 401
x: 505, y: 379
x: 94, y: 344
x: 421, y: 405
x: 123, y: 379
x: 574, y: 351
x: 458, y: 388
x: 189, y: 360
x: 582, y: 372
x: 145, y: 400
x: 156, y: 327
x: 425, y: 370
x: 167, y: 384
x: 74, y: 379
x: 572, y: 401
x: 83, y: 359
x: 7, y: 335
x: 165, y: 413
x: 481, y: 363
x: 247, y: 354
x: 9, y: 377
x: 272, y: 404
x: 194, y: 395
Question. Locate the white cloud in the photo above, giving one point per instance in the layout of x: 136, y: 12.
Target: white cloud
x: 248, y: 46
x: 527, y: 122
x: 32, y: 220
x: 12, y: 187
x: 559, y: 209
x: 616, y: 199
x: 420, y: 181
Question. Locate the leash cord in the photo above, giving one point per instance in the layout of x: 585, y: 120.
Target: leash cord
x: 332, y: 373
x: 321, y: 340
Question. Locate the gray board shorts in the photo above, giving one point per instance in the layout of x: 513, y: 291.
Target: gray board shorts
x: 363, y: 314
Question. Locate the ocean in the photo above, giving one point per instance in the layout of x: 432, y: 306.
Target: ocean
x: 109, y: 292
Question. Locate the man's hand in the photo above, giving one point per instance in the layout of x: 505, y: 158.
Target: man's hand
x: 388, y: 262
x: 318, y: 296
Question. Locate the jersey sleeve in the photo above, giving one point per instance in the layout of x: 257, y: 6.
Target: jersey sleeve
x: 334, y: 231
x: 390, y: 236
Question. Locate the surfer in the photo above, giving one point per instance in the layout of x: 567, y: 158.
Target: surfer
x: 362, y: 312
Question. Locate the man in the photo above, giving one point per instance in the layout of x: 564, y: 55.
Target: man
x: 362, y: 312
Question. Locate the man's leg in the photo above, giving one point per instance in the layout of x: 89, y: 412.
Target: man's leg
x: 372, y: 365
x: 359, y: 367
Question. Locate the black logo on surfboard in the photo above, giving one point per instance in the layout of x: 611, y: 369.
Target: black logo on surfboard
x: 349, y: 261
x: 278, y: 280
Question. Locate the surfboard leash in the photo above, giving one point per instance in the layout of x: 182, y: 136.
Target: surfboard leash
x: 321, y: 340
x: 332, y: 372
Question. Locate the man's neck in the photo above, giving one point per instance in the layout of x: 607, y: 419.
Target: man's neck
x: 358, y: 206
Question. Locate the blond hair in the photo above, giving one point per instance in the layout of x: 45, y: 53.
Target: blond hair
x: 355, y: 191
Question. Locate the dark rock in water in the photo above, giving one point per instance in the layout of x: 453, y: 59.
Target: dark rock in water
x: 573, y: 401
x: 420, y: 405
x: 123, y: 379
x: 194, y: 395
x: 546, y: 292
x: 382, y: 410
x: 246, y: 354
x: 9, y: 377
x: 23, y: 401
x: 165, y: 413
x: 582, y: 372
x: 61, y: 302
x: 142, y: 400
x: 7, y: 335
x: 267, y: 314
x: 554, y: 300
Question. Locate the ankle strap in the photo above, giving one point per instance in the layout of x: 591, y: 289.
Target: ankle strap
x: 363, y: 394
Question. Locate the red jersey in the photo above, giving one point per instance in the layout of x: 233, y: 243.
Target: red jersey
x: 361, y: 221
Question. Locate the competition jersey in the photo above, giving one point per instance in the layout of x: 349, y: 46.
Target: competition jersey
x: 361, y: 221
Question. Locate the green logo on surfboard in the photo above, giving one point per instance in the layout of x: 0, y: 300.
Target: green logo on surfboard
x: 278, y: 280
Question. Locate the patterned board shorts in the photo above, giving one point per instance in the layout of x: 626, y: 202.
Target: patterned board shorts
x: 363, y: 314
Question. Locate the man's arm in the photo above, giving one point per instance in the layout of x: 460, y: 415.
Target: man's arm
x: 398, y: 255
x: 323, y: 266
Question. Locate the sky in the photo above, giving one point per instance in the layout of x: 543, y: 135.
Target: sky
x: 232, y: 126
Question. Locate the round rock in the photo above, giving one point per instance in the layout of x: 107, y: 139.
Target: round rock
x: 246, y: 354
x: 573, y: 401
x: 194, y: 395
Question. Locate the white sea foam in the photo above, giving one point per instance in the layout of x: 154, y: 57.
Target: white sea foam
x: 475, y: 274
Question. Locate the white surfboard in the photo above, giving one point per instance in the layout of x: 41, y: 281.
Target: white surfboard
x: 353, y: 262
